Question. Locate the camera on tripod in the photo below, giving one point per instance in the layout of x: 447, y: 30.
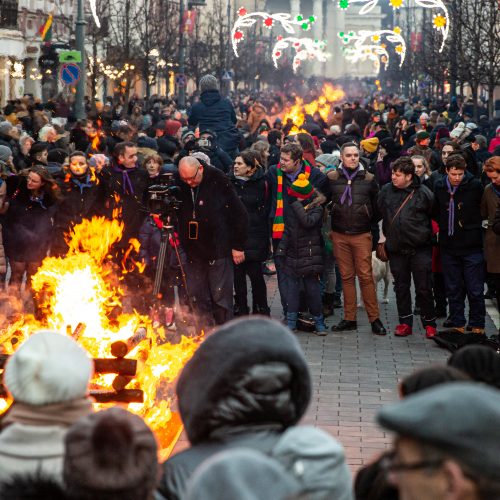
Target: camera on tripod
x: 162, y: 199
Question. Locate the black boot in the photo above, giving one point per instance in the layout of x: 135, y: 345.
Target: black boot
x: 241, y: 310
x: 337, y: 301
x: 328, y: 305
x: 345, y: 326
x: 265, y: 311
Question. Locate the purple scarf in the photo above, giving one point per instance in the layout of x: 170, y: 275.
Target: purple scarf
x: 127, y: 185
x: 451, y: 208
x: 348, y: 189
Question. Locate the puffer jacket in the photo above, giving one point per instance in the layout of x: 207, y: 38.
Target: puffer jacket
x: 468, y: 232
x: 302, y: 243
x: 216, y: 113
x: 358, y: 217
x: 255, y: 196
x: 412, y: 227
x: 245, y: 385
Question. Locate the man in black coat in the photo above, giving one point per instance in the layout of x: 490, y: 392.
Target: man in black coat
x: 406, y: 208
x: 354, y: 211
x: 457, y: 210
x: 212, y: 223
x: 216, y: 113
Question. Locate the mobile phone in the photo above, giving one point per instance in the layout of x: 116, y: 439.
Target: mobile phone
x: 193, y: 230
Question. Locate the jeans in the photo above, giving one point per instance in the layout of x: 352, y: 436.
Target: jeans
x: 464, y: 274
x: 312, y: 288
x: 420, y: 266
x: 279, y: 263
x: 259, y: 290
x: 210, y: 286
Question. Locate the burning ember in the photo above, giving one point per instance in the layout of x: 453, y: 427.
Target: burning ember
x: 330, y: 95
x: 80, y: 295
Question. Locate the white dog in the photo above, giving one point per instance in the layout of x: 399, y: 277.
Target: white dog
x: 381, y: 272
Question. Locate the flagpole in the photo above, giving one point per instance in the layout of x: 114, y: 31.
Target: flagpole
x: 80, y: 46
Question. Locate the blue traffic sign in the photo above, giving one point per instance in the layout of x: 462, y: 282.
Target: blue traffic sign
x: 69, y: 73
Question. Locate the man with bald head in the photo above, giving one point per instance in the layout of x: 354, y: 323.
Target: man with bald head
x: 212, y: 226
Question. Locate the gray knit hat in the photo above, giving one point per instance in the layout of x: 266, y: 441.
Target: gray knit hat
x: 208, y: 82
x: 5, y: 127
x: 5, y: 153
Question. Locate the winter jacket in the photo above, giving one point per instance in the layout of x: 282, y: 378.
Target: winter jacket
x: 412, y: 227
x: 489, y: 207
x: 316, y: 178
x: 255, y: 196
x: 216, y: 113
x: 131, y: 206
x: 245, y: 385
x: 221, y: 216
x: 358, y: 217
x: 30, y: 449
x: 80, y: 201
x: 27, y: 227
x: 467, y: 237
x: 495, y: 225
x: 302, y: 243
x: 255, y: 116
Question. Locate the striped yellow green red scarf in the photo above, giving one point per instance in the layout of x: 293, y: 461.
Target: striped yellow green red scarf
x: 279, y: 221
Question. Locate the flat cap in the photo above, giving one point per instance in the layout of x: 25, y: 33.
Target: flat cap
x: 458, y: 418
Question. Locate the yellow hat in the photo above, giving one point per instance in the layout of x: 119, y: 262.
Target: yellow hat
x: 370, y: 145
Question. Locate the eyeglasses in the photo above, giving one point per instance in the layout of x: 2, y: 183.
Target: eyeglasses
x: 193, y: 177
x: 389, y: 465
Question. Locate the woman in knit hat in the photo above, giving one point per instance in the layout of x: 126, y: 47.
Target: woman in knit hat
x: 47, y: 377
x: 302, y: 248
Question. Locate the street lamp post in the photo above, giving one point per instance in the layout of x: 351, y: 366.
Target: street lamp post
x: 80, y: 46
x: 182, y: 57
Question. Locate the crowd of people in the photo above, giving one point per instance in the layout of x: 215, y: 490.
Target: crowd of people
x: 241, y: 397
x: 417, y: 182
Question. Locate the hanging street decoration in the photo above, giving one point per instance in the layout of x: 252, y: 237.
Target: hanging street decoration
x: 359, y: 40
x: 375, y: 53
x: 440, y: 21
x: 305, y: 48
x: 93, y: 8
x: 247, y: 19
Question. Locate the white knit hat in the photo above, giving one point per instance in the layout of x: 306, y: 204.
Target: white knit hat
x: 48, y: 368
x: 208, y: 82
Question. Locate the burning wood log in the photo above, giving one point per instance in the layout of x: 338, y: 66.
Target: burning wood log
x: 121, y: 348
x: 79, y: 330
x: 123, y: 396
x: 121, y: 366
x: 121, y: 381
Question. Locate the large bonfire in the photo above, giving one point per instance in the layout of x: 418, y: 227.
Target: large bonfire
x: 330, y: 95
x: 80, y: 295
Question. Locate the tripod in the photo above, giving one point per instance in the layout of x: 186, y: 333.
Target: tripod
x: 167, y: 233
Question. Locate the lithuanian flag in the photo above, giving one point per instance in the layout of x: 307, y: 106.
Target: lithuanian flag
x: 46, y: 30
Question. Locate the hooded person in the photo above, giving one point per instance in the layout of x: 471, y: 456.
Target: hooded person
x: 216, y: 113
x: 245, y: 386
x: 110, y: 454
x: 389, y: 152
x: 47, y: 377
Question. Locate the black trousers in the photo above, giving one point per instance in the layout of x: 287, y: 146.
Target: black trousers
x: 259, y: 290
x: 420, y: 266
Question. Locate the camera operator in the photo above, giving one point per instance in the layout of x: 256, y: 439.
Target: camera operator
x: 218, y: 157
x: 212, y: 227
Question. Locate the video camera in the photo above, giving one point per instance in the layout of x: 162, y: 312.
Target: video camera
x: 162, y: 198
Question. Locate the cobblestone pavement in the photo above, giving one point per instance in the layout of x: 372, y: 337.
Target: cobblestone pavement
x: 355, y: 373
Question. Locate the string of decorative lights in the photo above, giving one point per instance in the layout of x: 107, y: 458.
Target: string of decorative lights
x: 305, y: 48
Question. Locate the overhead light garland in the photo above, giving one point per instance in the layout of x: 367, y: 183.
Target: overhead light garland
x: 286, y: 21
x: 93, y: 8
x: 359, y: 40
x: 305, y: 48
x: 440, y: 21
x: 375, y: 53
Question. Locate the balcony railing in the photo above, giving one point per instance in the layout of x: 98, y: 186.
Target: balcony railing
x: 8, y: 14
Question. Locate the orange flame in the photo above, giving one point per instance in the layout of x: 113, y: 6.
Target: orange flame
x: 81, y: 288
x: 323, y: 105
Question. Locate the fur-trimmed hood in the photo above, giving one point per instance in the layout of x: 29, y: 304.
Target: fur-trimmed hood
x: 250, y: 372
